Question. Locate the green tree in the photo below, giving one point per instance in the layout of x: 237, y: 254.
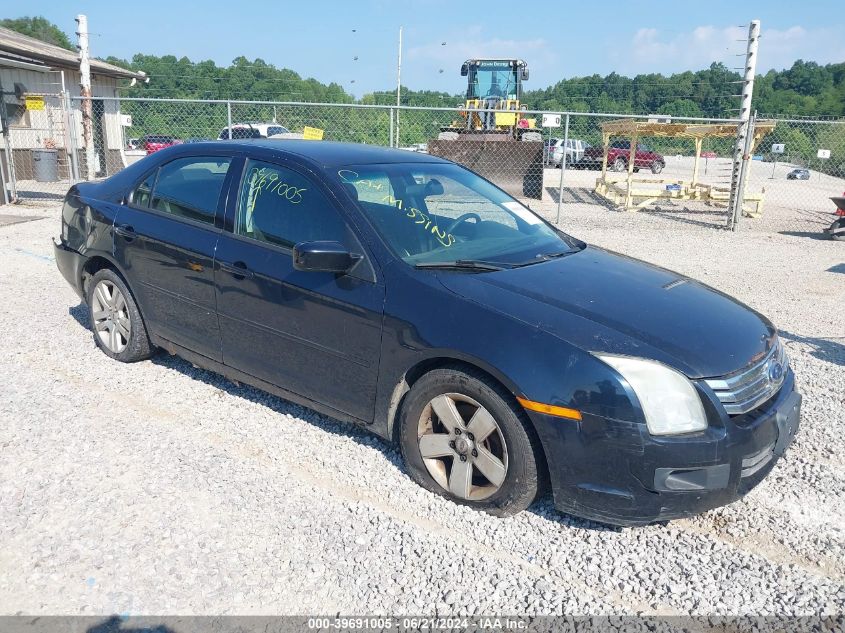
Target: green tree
x: 39, y: 28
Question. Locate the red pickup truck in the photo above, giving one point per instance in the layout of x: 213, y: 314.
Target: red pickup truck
x: 618, y: 154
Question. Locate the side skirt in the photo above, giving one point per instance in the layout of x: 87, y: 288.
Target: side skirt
x: 238, y: 376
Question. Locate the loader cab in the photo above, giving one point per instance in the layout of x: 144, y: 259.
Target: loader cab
x: 494, y: 78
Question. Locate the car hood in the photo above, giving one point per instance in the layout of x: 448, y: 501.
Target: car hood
x: 601, y: 301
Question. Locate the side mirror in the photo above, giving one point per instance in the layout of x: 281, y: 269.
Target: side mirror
x: 327, y: 257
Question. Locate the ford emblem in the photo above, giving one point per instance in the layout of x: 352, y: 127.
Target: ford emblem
x: 775, y: 371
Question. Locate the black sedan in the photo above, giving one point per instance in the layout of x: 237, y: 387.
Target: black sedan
x: 406, y: 294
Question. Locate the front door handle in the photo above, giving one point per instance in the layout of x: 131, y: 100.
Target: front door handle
x: 239, y: 270
x: 124, y: 230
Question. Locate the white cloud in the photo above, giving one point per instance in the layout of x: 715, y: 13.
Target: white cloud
x: 652, y: 50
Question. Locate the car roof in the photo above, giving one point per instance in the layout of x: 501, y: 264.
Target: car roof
x: 332, y: 153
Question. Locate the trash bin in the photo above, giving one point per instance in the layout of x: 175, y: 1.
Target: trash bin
x: 45, y: 165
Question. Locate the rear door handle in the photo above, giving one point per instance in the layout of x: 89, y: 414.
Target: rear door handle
x: 124, y: 230
x: 238, y: 269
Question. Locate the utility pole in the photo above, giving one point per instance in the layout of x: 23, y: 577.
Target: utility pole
x: 744, y: 145
x: 87, y: 109
x: 398, y: 85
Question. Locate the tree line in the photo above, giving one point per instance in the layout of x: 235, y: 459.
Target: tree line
x: 806, y: 89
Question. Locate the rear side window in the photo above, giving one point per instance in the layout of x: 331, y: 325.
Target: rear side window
x: 142, y: 194
x: 282, y: 207
x: 189, y: 187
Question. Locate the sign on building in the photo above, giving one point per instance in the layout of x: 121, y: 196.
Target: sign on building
x: 34, y: 102
x: 551, y: 120
x: 823, y: 153
x: 777, y: 148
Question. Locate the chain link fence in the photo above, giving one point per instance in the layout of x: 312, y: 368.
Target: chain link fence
x: 37, y: 151
x: 558, y: 161
x: 800, y: 165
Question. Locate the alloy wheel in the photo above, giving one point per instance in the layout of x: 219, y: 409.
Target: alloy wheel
x: 462, y: 446
x: 111, y: 316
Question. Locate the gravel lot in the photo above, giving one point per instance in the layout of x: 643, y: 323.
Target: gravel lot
x: 160, y: 488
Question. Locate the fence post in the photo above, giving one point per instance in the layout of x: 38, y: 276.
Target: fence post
x: 11, y: 182
x: 744, y: 117
x: 739, y: 195
x: 87, y: 104
x: 562, y: 167
x: 391, y: 127
x: 70, y: 127
x: 229, y: 118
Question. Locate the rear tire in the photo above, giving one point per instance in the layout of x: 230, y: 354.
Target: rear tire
x: 479, y: 448
x: 619, y: 165
x: 116, y: 322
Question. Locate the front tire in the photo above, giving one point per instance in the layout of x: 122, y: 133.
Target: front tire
x: 464, y: 437
x: 116, y: 322
x: 619, y: 165
x: 656, y: 167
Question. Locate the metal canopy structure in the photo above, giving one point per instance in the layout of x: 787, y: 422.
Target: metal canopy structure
x: 635, y: 194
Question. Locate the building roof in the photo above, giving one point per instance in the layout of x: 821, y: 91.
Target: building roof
x: 18, y: 49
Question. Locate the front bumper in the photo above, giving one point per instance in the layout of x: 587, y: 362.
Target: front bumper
x: 70, y: 264
x: 616, y: 472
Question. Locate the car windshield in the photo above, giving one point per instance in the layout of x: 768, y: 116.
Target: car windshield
x: 434, y: 213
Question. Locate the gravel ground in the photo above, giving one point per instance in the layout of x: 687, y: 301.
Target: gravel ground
x: 160, y: 488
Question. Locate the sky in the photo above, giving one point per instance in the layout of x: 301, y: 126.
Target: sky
x: 355, y: 43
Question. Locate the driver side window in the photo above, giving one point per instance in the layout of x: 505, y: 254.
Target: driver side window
x: 456, y: 199
x: 281, y: 207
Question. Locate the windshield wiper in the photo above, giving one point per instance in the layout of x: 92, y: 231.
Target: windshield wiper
x: 464, y: 264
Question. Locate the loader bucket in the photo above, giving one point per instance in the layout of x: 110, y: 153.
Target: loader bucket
x: 515, y: 166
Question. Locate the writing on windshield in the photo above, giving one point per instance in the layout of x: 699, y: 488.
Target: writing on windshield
x: 422, y: 220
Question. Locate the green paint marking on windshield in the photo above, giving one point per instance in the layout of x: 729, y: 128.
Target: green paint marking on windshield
x: 349, y: 177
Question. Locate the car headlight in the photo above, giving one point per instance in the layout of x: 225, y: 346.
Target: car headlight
x: 669, y: 400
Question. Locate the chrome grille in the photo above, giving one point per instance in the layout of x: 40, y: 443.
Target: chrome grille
x: 746, y: 389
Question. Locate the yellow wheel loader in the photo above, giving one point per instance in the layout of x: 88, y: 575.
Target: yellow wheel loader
x: 492, y: 135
